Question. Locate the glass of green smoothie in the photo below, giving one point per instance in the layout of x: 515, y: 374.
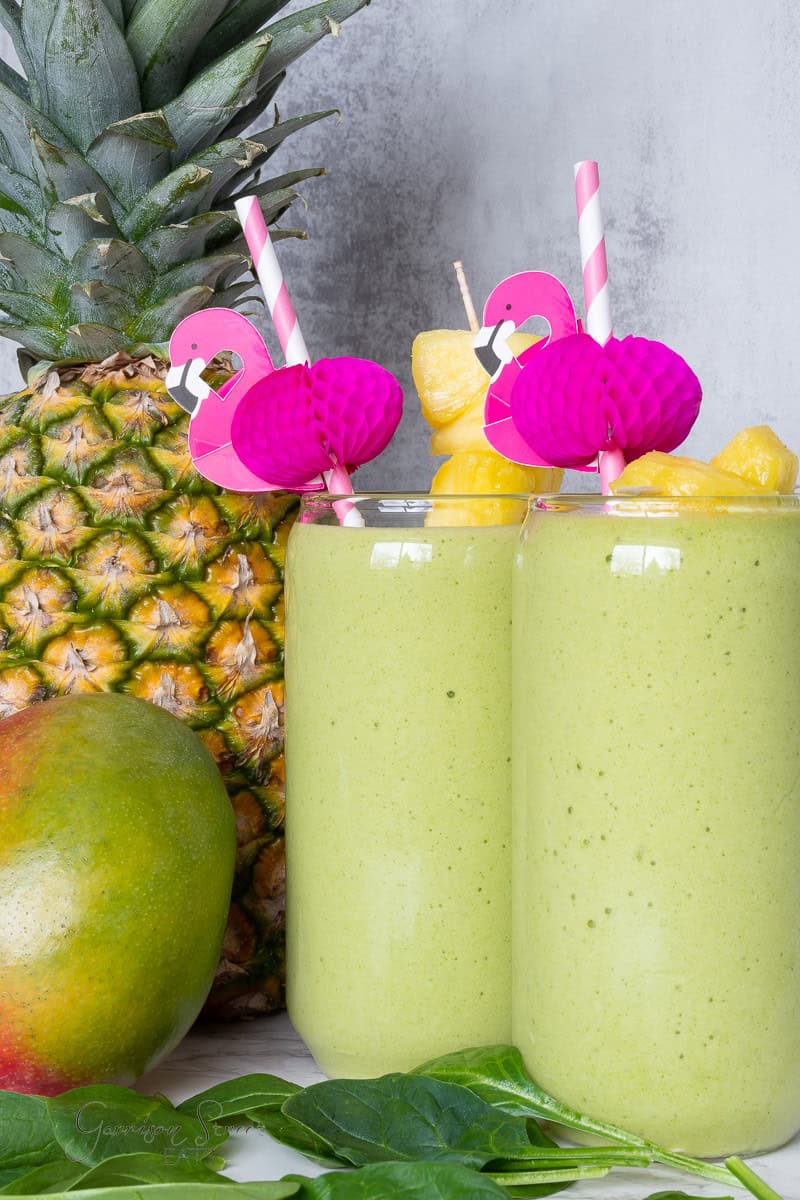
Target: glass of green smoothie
x: 656, y: 814
x: 398, y: 727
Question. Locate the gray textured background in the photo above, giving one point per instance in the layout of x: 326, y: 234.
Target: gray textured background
x: 461, y: 122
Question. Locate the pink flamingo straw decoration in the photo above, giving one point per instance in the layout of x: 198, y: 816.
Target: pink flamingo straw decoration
x: 195, y: 343
x: 300, y: 428
x: 511, y: 303
x: 580, y: 398
x: 279, y: 302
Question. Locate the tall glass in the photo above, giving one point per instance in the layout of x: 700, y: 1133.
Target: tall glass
x: 398, y: 728
x: 656, y: 825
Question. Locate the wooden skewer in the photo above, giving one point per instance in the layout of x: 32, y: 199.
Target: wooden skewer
x: 466, y: 296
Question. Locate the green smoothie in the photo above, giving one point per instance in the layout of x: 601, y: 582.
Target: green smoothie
x: 398, y: 792
x: 657, y: 817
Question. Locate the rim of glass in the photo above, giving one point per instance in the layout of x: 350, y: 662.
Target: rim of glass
x: 654, y: 504
x: 388, y: 497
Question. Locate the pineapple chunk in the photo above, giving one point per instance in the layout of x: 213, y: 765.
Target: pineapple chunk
x: 758, y: 455
x: 674, y: 475
x: 448, y: 376
x: 483, y: 473
x: 464, y: 433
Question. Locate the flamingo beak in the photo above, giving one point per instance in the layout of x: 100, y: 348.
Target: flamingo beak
x: 186, y: 385
x: 492, y: 349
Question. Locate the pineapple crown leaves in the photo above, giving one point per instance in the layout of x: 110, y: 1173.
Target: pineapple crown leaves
x: 122, y: 153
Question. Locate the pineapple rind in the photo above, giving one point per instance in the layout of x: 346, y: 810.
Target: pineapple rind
x: 120, y: 567
x: 119, y: 582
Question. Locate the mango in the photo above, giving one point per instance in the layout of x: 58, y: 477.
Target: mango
x: 759, y: 455
x: 117, y: 847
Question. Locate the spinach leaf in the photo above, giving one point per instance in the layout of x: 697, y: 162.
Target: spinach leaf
x: 532, y: 1191
x: 407, y: 1117
x: 125, y: 1169
x: 402, y: 1181
x: 28, y: 1139
x: 288, y: 1132
x: 225, y: 1102
x: 536, y: 1134
x: 497, y: 1074
x: 93, y: 1123
x: 682, y: 1196
x: 120, y: 1171
x: 46, y: 1178
x: 222, y: 1190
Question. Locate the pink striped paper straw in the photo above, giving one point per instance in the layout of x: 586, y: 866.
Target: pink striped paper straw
x: 593, y: 251
x: 270, y: 276
x: 591, y: 233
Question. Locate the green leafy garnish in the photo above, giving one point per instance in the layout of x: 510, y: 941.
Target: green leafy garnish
x: 462, y: 1126
x: 497, y: 1074
x: 229, y: 1103
x: 411, y: 1181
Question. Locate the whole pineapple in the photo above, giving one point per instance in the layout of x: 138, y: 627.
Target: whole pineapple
x: 121, y: 156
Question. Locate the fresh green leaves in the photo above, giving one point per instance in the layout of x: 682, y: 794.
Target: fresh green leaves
x: 444, y: 1132
x: 224, y: 1189
x: 406, y: 1181
x: 92, y: 1123
x: 162, y: 37
x: 198, y: 116
x: 497, y: 1074
x: 133, y: 154
x: 403, y: 1118
x: 128, y: 127
x: 229, y: 1103
x: 680, y: 1196
x: 83, y: 76
x: 284, y: 1129
x: 28, y: 1137
x: 242, y: 19
x: 121, y: 1171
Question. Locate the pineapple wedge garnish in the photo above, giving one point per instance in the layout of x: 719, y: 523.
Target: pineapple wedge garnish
x: 452, y: 384
x: 758, y: 455
x: 452, y: 389
x: 674, y: 475
x: 755, y: 462
x: 485, y: 473
x: 671, y: 474
x: 447, y: 375
x: 482, y: 472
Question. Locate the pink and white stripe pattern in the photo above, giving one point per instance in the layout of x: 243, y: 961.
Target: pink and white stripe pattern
x: 593, y: 251
x: 270, y: 276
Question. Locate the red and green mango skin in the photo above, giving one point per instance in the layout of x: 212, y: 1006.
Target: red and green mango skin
x: 117, y: 847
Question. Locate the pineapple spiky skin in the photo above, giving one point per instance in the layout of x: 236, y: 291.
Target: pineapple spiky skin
x: 121, y: 569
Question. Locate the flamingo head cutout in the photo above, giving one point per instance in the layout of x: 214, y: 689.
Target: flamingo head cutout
x: 199, y: 339
x: 515, y: 301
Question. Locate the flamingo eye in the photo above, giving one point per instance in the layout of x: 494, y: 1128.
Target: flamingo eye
x: 508, y: 308
x: 194, y: 345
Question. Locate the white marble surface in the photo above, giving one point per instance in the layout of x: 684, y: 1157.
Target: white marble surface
x: 216, y: 1053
